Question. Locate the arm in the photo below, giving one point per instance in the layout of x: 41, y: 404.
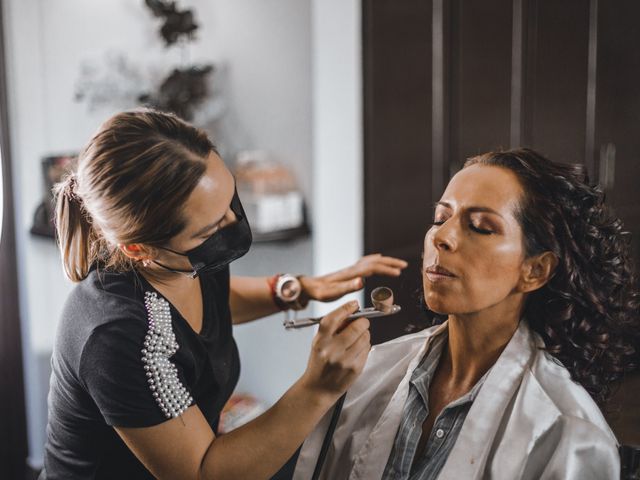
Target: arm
x: 250, y: 297
x: 186, y: 447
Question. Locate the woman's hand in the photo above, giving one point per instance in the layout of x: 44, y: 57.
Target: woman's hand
x: 328, y: 288
x: 338, y: 353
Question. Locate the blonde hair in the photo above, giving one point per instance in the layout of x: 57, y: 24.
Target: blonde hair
x: 130, y: 185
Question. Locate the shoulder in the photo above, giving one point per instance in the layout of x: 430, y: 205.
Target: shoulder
x: 576, y: 448
x: 128, y: 369
x: 573, y: 448
x: 578, y: 412
x: 105, y: 296
x: 112, y: 286
x: 104, y: 301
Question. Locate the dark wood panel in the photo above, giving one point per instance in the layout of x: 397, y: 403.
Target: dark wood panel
x: 618, y: 100
x: 617, y: 138
x: 13, y: 430
x: 397, y: 122
x: 623, y: 410
x: 617, y: 146
x: 557, y: 54
x: 480, y: 62
x: 397, y: 118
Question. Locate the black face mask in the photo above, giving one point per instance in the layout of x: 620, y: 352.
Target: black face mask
x: 220, y: 249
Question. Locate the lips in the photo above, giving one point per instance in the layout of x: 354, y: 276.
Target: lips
x: 439, y: 270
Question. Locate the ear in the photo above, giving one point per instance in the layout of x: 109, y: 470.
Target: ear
x: 134, y: 251
x: 537, y: 271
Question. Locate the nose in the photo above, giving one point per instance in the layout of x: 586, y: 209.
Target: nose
x: 444, y: 237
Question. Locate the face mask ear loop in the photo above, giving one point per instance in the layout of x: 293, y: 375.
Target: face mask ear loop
x: 173, y: 251
x: 189, y: 273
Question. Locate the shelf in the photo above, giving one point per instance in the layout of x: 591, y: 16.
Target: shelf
x: 282, y: 235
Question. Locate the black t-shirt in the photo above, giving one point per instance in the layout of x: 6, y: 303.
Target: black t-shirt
x: 99, y: 379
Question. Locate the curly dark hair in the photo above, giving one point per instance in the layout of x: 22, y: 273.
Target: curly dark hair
x: 587, y: 314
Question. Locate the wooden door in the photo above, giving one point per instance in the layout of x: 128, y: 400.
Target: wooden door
x: 397, y: 83
x: 617, y: 159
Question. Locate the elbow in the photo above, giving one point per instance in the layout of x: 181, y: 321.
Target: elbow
x: 203, y: 472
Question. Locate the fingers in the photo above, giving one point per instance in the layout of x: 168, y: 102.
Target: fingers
x: 353, y: 270
x: 348, y: 345
x: 384, y: 270
x: 331, y: 322
x: 394, y: 262
x: 335, y: 285
x: 361, y: 358
x: 337, y: 357
x: 332, y: 291
x: 362, y: 349
x: 387, y: 266
x: 351, y: 330
x: 356, y: 356
x: 375, y: 264
x: 363, y: 341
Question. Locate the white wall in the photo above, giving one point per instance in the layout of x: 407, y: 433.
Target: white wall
x: 337, y: 141
x: 263, y: 45
x: 265, y: 48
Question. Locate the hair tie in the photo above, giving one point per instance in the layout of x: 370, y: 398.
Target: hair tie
x: 71, y: 188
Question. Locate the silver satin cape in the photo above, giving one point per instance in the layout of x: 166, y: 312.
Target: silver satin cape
x: 529, y: 420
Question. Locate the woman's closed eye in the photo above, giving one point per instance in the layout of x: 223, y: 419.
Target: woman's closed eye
x: 212, y: 230
x: 228, y: 219
x: 482, y: 231
x: 208, y: 234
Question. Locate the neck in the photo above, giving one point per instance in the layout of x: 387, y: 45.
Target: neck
x: 477, y: 339
x: 159, y: 277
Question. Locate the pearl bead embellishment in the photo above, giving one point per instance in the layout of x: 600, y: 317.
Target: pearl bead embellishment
x: 159, y: 345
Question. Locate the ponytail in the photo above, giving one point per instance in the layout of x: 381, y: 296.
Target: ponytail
x: 76, y: 236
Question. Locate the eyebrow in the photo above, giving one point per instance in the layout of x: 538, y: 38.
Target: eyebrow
x: 470, y: 209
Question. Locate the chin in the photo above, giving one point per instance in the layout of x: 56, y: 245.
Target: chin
x: 437, y: 303
x: 444, y: 301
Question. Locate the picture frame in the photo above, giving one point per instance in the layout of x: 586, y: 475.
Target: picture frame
x: 54, y: 168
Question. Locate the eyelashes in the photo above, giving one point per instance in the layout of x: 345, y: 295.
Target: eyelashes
x: 481, y: 231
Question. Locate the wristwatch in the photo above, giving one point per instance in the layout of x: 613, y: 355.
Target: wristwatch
x: 288, y: 290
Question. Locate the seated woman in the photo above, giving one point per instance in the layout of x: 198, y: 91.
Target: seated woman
x: 534, y: 280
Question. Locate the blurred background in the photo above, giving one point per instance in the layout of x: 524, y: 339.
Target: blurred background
x: 344, y: 117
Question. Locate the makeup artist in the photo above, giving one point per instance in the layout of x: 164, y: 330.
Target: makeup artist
x: 144, y: 358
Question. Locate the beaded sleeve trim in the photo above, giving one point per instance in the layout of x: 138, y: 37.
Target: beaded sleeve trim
x: 159, y: 345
